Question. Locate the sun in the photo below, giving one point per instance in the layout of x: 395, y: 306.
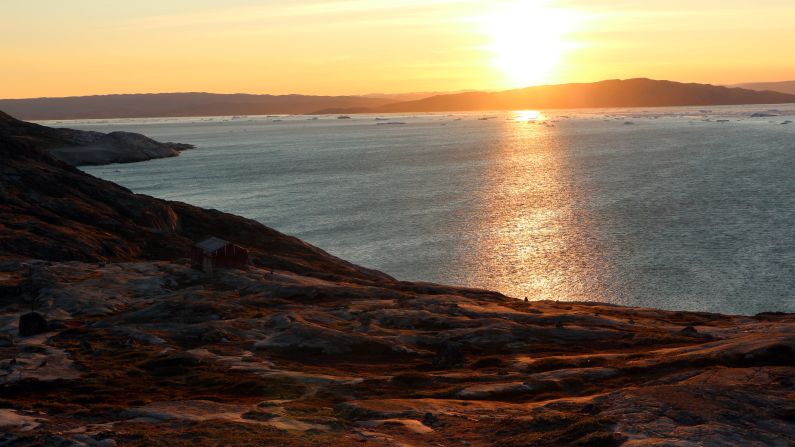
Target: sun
x: 528, y: 40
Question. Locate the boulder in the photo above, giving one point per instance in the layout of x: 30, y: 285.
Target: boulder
x: 31, y: 324
x: 430, y: 420
x: 449, y: 355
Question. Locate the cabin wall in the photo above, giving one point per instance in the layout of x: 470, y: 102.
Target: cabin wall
x: 229, y: 256
x: 197, y: 258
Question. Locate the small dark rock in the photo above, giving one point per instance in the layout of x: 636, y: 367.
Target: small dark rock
x: 57, y: 324
x: 689, y: 330
x: 449, y: 355
x: 786, y: 414
x: 258, y: 416
x: 31, y: 324
x: 488, y: 362
x: 7, y: 439
x: 33, y: 349
x: 786, y: 382
x: 412, y: 379
x: 772, y: 316
x: 6, y: 340
x: 170, y: 366
x: 86, y: 346
x: 684, y: 418
x: 430, y: 420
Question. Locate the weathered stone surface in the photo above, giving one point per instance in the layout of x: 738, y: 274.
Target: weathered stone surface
x: 354, y: 359
x: 449, y: 355
x: 302, y: 348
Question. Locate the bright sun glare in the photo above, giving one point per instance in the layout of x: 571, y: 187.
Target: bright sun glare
x: 529, y: 39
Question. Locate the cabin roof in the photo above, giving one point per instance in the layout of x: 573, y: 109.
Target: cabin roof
x: 211, y: 244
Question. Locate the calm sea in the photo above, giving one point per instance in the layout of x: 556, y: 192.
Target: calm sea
x: 675, y: 208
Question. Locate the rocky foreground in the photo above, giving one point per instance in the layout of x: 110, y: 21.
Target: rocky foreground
x: 80, y: 147
x: 302, y: 348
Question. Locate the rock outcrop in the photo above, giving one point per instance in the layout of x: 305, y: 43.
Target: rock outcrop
x: 52, y: 211
x: 302, y: 348
x: 32, y: 323
x: 79, y: 147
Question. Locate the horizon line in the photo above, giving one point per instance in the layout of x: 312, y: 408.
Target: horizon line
x: 376, y: 95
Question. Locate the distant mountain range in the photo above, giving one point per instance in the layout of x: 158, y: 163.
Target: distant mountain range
x: 611, y: 93
x: 782, y: 87
x: 177, y: 105
x: 400, y: 97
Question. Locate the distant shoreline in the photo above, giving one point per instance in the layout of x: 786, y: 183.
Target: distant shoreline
x: 605, y: 94
x: 215, y: 118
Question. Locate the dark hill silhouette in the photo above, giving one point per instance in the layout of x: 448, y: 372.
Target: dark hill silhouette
x: 612, y: 93
x: 177, y: 105
x: 787, y: 87
x: 80, y: 147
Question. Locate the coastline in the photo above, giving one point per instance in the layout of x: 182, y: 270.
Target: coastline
x: 302, y: 347
x: 89, y: 148
x: 437, y: 220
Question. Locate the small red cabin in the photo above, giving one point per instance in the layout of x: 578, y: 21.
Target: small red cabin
x: 214, y: 252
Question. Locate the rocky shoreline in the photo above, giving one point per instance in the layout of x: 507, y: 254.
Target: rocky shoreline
x: 81, y: 148
x: 302, y: 348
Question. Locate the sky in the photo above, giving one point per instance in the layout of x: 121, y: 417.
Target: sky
x: 342, y: 47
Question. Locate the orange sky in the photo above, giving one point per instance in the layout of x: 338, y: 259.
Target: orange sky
x: 79, y: 47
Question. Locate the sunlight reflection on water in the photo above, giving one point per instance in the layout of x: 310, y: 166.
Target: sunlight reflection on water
x: 534, y: 242
x: 677, y: 211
